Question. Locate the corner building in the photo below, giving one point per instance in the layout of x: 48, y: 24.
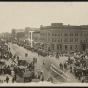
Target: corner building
x: 64, y: 38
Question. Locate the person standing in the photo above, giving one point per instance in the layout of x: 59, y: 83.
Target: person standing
x: 7, y: 79
x: 42, y: 78
x: 13, y: 79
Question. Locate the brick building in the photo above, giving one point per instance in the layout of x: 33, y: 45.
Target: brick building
x: 64, y: 38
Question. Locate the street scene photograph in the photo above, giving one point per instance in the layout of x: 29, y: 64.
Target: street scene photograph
x: 44, y: 42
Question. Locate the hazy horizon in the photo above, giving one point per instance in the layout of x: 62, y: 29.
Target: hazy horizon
x: 20, y: 15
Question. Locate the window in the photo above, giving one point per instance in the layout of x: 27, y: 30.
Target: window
x: 60, y: 47
x: 55, y: 34
x: 71, y: 34
x: 55, y: 40
x: 65, y: 47
x: 70, y: 47
x: 57, y: 46
x: 53, y: 46
x: 58, y: 34
x: 58, y: 41
x: 52, y: 34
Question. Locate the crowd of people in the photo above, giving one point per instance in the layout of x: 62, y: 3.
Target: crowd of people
x: 70, y: 64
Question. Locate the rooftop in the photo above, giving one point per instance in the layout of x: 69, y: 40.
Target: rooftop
x: 60, y: 25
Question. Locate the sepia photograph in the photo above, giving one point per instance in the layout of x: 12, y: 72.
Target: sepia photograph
x: 43, y: 43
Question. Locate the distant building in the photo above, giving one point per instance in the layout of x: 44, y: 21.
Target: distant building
x: 64, y: 38
x: 30, y: 33
x: 36, y: 36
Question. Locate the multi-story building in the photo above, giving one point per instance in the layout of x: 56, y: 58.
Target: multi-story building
x: 64, y: 38
x: 30, y: 34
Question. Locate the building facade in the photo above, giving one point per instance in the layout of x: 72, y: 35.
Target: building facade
x: 32, y: 34
x: 64, y: 38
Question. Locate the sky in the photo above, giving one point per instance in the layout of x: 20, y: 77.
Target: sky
x: 20, y: 15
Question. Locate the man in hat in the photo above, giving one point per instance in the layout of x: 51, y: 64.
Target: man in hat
x: 7, y: 79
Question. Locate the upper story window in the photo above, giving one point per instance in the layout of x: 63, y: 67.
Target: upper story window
x: 76, y: 39
x: 76, y: 34
x: 52, y: 34
x: 71, y: 34
x: 70, y: 47
x: 58, y: 34
x: 57, y: 46
x: 65, y: 47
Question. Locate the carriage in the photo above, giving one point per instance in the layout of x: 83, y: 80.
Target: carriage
x: 22, y: 62
x: 21, y: 70
x: 27, y: 76
x: 78, y: 70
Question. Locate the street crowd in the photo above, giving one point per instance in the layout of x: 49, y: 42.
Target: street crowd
x: 78, y: 65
